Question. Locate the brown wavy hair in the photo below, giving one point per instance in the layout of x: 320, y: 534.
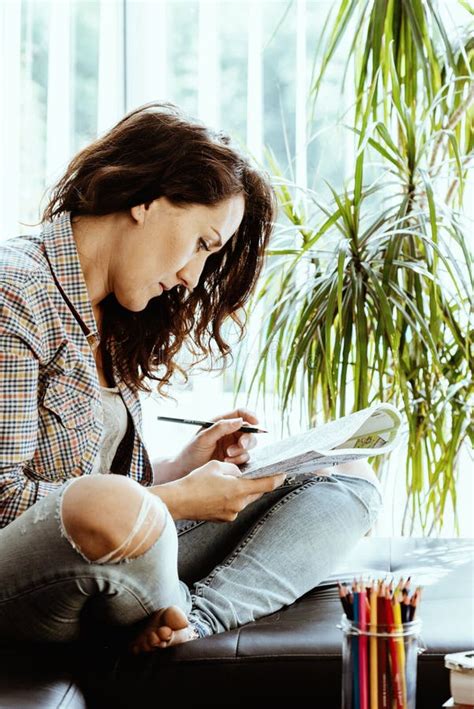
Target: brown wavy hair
x: 157, y: 150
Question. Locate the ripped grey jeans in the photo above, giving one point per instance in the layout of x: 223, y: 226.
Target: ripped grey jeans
x: 222, y: 575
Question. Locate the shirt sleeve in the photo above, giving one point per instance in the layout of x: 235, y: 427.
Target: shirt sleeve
x: 20, y: 352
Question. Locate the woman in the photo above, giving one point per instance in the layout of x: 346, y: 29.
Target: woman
x: 153, y: 238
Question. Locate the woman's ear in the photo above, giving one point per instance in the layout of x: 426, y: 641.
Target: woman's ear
x: 138, y: 213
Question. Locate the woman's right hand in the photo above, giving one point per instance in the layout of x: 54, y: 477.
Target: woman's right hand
x: 215, y: 492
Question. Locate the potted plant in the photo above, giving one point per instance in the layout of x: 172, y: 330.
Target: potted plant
x: 370, y: 297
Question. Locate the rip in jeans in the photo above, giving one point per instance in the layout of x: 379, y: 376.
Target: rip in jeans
x: 116, y: 555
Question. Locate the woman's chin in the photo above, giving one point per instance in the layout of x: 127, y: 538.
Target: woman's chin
x: 134, y: 305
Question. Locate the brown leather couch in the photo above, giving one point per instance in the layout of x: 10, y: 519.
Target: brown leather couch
x: 293, y: 655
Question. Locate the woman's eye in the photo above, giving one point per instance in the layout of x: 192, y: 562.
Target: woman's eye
x: 203, y: 245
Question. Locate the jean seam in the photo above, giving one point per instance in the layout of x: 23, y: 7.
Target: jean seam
x: 253, y: 532
x: 194, y: 524
x: 371, y: 512
x: 92, y: 577
x: 287, y: 484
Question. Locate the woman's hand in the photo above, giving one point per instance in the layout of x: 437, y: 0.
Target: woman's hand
x: 223, y: 442
x: 215, y: 492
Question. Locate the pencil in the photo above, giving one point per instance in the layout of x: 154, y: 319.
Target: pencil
x: 382, y: 659
x: 246, y: 428
x: 344, y: 600
x: 415, y: 599
x: 397, y: 617
x: 350, y: 601
x: 395, y: 667
x: 355, y: 649
x: 373, y: 649
x: 405, y: 606
x: 363, y: 668
x: 380, y: 612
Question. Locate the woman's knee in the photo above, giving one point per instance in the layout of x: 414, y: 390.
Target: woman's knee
x: 110, y: 518
x: 366, y: 497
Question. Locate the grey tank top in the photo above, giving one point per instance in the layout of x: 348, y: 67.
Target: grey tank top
x: 115, y: 427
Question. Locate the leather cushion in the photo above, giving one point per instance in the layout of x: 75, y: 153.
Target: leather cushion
x: 294, y: 653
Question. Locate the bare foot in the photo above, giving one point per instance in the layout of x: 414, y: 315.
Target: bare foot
x: 165, y: 627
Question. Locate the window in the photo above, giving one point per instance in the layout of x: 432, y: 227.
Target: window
x: 69, y: 69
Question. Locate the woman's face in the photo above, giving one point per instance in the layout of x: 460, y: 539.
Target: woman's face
x: 164, y: 246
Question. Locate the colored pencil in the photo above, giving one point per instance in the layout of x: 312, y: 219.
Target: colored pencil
x: 355, y: 650
x: 379, y: 611
x: 373, y: 649
x: 382, y: 652
x: 345, y: 600
x: 363, y: 668
x: 395, y: 669
x: 397, y: 616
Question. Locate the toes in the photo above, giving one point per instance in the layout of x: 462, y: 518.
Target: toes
x: 173, y: 617
x: 163, y: 633
x: 167, y: 626
x: 156, y: 639
x: 159, y: 637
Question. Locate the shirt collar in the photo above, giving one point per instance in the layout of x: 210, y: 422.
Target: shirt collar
x: 62, y: 254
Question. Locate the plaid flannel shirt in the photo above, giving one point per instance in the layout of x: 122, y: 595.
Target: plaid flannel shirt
x: 50, y: 400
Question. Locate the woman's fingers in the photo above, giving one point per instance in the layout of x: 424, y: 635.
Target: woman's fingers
x: 238, y: 459
x: 249, y: 441
x: 223, y: 427
x: 266, y: 484
x: 246, y: 442
x: 252, y: 498
x: 246, y: 414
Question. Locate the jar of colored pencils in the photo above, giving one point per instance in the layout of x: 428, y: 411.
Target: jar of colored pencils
x: 379, y: 652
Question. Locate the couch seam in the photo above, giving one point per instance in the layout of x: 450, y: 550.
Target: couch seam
x: 286, y: 658
x: 237, y: 644
x: 72, y: 687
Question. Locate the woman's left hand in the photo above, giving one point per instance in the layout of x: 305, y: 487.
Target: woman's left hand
x: 223, y: 441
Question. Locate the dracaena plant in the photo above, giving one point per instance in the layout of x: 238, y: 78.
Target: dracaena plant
x: 369, y: 296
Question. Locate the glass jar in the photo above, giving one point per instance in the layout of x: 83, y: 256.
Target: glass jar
x: 379, y: 667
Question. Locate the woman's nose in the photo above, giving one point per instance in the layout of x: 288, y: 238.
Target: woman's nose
x: 190, y: 273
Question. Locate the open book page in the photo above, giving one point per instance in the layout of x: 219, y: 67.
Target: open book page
x: 371, y: 431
